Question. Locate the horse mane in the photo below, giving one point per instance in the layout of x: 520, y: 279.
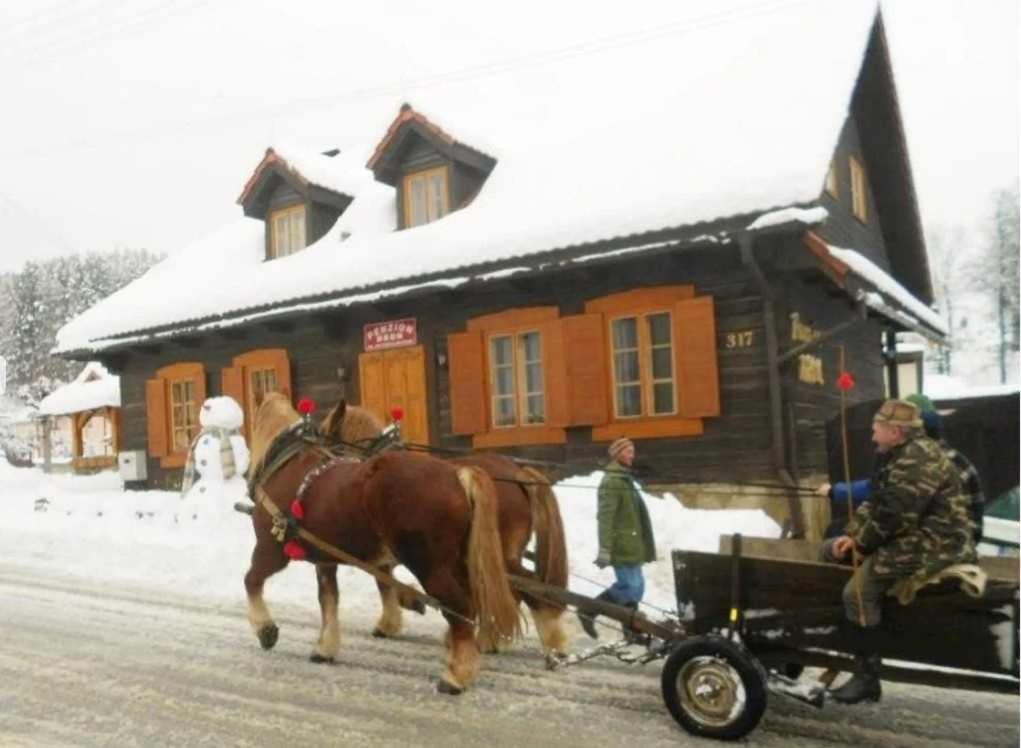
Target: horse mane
x: 351, y: 424
x: 273, y: 417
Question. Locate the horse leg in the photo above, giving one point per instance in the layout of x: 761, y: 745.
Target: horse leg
x: 550, y: 626
x: 267, y: 560
x: 329, y: 632
x: 463, y: 658
x: 390, y: 620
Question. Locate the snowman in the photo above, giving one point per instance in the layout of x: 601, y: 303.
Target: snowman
x: 214, y: 477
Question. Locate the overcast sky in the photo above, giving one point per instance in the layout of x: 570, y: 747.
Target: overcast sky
x: 136, y: 124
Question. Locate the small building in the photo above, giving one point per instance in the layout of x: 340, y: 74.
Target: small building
x: 91, y: 406
x: 684, y: 245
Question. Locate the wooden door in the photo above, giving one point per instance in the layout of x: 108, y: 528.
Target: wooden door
x: 397, y: 378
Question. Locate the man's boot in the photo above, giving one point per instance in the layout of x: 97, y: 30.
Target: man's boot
x: 587, y: 616
x: 864, y: 684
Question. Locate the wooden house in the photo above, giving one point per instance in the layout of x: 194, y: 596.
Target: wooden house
x: 686, y: 263
x: 91, y: 406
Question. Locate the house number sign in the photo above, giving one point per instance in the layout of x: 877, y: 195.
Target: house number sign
x: 741, y: 339
x: 398, y: 333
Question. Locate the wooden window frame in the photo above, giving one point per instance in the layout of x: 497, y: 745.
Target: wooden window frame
x: 645, y: 379
x: 859, y: 190
x: 190, y: 430
x: 513, y: 322
x: 78, y: 423
x: 520, y: 394
x: 406, y: 194
x: 236, y: 379
x: 831, y: 185
x: 274, y: 241
x: 165, y: 377
x: 632, y: 303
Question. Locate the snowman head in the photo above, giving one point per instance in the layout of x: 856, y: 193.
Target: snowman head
x: 221, y: 412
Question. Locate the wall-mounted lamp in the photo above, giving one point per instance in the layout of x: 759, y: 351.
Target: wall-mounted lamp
x: 441, y: 360
x: 342, y: 373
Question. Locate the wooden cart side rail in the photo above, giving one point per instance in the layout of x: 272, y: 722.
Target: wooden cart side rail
x: 1001, y: 568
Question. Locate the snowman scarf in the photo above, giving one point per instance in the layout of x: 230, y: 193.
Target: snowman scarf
x: 226, y: 455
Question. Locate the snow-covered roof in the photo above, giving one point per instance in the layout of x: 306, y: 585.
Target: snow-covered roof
x: 93, y: 388
x: 735, y: 117
x: 886, y: 290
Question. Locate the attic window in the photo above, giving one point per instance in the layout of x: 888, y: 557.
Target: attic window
x: 859, y: 197
x: 287, y: 227
x: 831, y: 179
x: 426, y: 197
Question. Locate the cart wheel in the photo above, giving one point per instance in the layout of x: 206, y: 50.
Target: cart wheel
x: 714, y: 688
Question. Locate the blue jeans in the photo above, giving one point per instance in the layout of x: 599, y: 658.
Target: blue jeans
x: 629, y: 587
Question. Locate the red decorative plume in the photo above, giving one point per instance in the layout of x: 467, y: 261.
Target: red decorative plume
x: 397, y: 413
x: 306, y: 406
x: 293, y: 550
x: 297, y: 510
x: 845, y: 381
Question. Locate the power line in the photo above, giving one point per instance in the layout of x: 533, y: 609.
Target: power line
x: 603, y: 44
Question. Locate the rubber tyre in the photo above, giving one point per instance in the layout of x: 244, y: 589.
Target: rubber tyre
x: 714, y: 688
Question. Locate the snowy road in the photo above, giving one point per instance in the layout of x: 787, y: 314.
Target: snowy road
x: 114, y: 664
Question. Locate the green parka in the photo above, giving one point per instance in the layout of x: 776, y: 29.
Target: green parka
x: 624, y: 526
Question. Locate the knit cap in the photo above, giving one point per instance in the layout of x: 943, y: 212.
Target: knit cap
x: 618, y: 446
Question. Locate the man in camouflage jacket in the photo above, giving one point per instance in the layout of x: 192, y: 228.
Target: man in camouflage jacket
x: 915, y: 522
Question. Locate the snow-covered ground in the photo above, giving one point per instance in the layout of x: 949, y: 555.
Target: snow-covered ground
x: 90, y: 527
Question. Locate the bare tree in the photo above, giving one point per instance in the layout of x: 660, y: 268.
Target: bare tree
x: 947, y: 258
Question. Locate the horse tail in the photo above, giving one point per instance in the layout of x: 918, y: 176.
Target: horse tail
x: 496, y: 609
x: 550, y: 543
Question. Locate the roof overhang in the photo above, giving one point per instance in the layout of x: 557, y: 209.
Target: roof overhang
x: 271, y: 171
x: 880, y: 293
x: 410, y: 125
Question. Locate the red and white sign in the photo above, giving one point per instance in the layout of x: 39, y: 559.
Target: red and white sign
x: 396, y: 334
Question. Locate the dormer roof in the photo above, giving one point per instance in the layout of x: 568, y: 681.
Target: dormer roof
x: 410, y: 125
x: 315, y: 176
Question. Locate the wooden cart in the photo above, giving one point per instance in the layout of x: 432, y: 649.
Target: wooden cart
x: 752, y: 616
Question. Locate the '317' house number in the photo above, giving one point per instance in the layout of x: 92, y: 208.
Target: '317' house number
x: 741, y: 339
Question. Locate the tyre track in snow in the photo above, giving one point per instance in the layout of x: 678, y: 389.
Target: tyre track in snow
x: 101, y: 664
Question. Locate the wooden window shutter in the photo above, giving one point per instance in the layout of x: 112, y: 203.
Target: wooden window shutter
x: 467, y: 382
x: 585, y: 369
x: 554, y: 364
x: 698, y: 377
x: 232, y: 384
x: 156, y: 416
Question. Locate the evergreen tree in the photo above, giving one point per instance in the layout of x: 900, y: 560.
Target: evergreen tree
x: 29, y: 325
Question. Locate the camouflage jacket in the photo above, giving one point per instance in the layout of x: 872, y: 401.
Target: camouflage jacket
x: 917, y: 519
x: 625, y: 529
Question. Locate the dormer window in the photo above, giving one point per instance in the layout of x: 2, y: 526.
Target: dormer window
x: 287, y: 230
x: 426, y: 197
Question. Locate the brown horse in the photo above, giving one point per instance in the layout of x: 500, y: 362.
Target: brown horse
x: 437, y: 520
x: 527, y: 505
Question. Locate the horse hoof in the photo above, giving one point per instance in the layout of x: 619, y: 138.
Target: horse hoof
x: 268, y: 635
x: 418, y: 607
x: 448, y: 688
x: 319, y: 659
x: 379, y: 633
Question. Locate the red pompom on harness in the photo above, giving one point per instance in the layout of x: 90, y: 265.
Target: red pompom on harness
x: 294, y: 550
x: 297, y: 510
x: 306, y: 406
x: 845, y: 381
x: 397, y: 413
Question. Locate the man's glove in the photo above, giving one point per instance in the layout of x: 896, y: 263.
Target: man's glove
x: 603, y: 559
